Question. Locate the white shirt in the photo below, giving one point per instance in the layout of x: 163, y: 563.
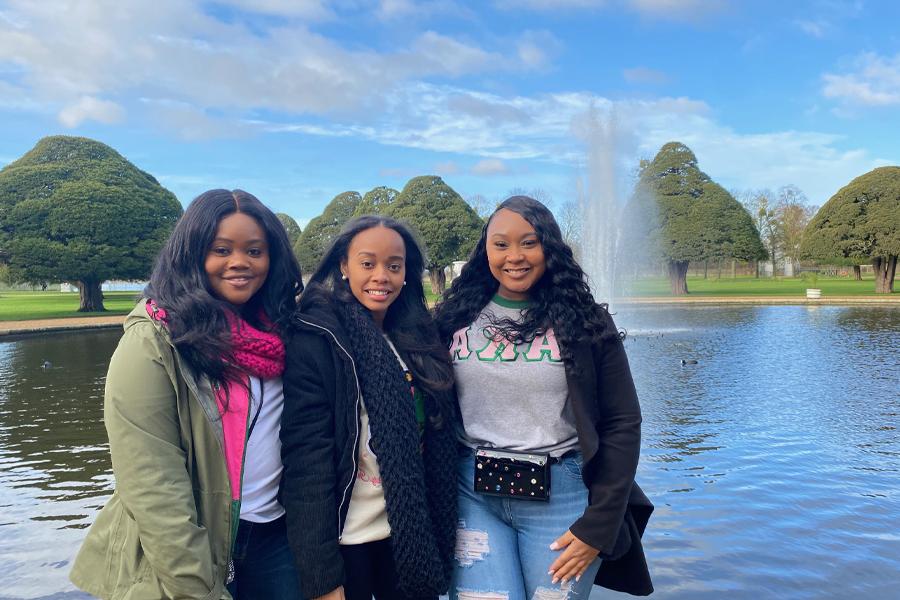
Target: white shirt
x: 262, y: 460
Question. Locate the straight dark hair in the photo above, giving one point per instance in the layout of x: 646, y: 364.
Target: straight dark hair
x: 560, y: 299
x: 407, y: 321
x: 196, y: 318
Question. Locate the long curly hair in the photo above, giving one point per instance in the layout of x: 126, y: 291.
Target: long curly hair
x: 560, y: 299
x: 407, y: 321
x: 196, y: 318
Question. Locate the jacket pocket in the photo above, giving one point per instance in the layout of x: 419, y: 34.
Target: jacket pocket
x: 128, y: 564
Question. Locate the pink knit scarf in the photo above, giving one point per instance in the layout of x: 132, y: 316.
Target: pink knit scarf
x: 257, y: 353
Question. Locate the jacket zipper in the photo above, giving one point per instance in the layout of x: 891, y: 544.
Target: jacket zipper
x: 356, y: 438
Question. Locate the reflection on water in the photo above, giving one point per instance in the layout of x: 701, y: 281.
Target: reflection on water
x: 774, y: 462
x: 54, y: 459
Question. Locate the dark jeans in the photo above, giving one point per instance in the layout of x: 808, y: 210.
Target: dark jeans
x: 264, y: 566
x: 369, y: 571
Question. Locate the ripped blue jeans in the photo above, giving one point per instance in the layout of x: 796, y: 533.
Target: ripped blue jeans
x: 503, y: 544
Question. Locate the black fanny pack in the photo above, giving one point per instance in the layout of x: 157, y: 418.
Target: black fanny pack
x: 512, y: 474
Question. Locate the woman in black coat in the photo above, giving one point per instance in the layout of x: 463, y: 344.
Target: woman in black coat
x: 368, y: 441
x: 545, y: 391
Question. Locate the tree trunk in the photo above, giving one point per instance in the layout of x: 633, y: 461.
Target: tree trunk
x: 705, y: 269
x: 719, y: 269
x: 91, y: 296
x: 885, y: 269
x: 678, y: 276
x: 733, y: 268
x: 857, y: 273
x: 756, y: 264
x: 438, y: 280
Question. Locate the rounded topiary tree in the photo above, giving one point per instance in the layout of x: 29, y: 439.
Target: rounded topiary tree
x: 861, y: 222
x: 376, y: 201
x: 290, y: 227
x: 315, y: 239
x: 73, y: 209
x: 678, y: 214
x: 446, y: 224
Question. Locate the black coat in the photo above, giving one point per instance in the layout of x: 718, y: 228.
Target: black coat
x: 319, y: 447
x: 320, y: 437
x: 608, y: 422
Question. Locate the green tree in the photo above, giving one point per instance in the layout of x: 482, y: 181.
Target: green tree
x: 73, y: 209
x: 678, y: 214
x: 290, y: 227
x: 861, y: 222
x: 447, y: 226
x: 315, y: 239
x: 376, y: 201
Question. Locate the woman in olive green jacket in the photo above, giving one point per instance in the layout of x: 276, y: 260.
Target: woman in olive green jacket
x: 183, y: 387
x: 169, y: 443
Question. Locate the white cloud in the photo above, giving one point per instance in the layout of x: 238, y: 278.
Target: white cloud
x: 88, y: 108
x: 203, y: 78
x: 451, y: 119
x: 439, y: 53
x: 645, y: 75
x: 190, y: 123
x: 874, y: 82
x: 536, y: 49
x: 690, y: 10
x: 303, y: 9
x: 171, y: 50
x: 546, y: 5
x: 812, y: 161
x: 393, y: 10
x: 817, y: 28
x: 548, y: 128
x: 490, y: 166
x: 683, y: 10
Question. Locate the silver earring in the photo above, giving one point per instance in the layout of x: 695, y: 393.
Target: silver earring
x: 404, y: 283
x: 344, y: 277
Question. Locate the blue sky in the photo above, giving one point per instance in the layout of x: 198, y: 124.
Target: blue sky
x: 298, y: 100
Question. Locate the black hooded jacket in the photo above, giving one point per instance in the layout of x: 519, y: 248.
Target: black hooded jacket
x: 320, y: 438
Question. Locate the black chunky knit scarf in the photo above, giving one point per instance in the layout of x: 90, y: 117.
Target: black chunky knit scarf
x: 419, y: 485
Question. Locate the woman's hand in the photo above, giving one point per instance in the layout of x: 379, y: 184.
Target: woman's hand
x: 574, y: 560
x: 335, y: 594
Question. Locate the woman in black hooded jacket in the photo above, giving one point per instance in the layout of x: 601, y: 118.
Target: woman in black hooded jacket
x: 368, y: 441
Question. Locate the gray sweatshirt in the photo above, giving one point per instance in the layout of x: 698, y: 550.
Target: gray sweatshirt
x: 512, y: 396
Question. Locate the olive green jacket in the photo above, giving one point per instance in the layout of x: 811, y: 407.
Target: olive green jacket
x: 167, y: 530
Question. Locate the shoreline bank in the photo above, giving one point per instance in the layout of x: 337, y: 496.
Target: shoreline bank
x: 42, y: 326
x: 764, y: 300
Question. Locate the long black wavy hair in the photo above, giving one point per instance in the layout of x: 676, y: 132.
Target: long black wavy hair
x: 196, y: 318
x: 407, y: 321
x: 560, y: 299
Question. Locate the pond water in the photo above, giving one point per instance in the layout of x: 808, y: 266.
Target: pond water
x: 774, y: 461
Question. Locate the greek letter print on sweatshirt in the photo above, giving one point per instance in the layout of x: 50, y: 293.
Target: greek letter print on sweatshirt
x: 511, y: 396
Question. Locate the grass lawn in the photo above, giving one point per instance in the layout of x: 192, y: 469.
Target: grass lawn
x: 750, y: 286
x: 21, y: 306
